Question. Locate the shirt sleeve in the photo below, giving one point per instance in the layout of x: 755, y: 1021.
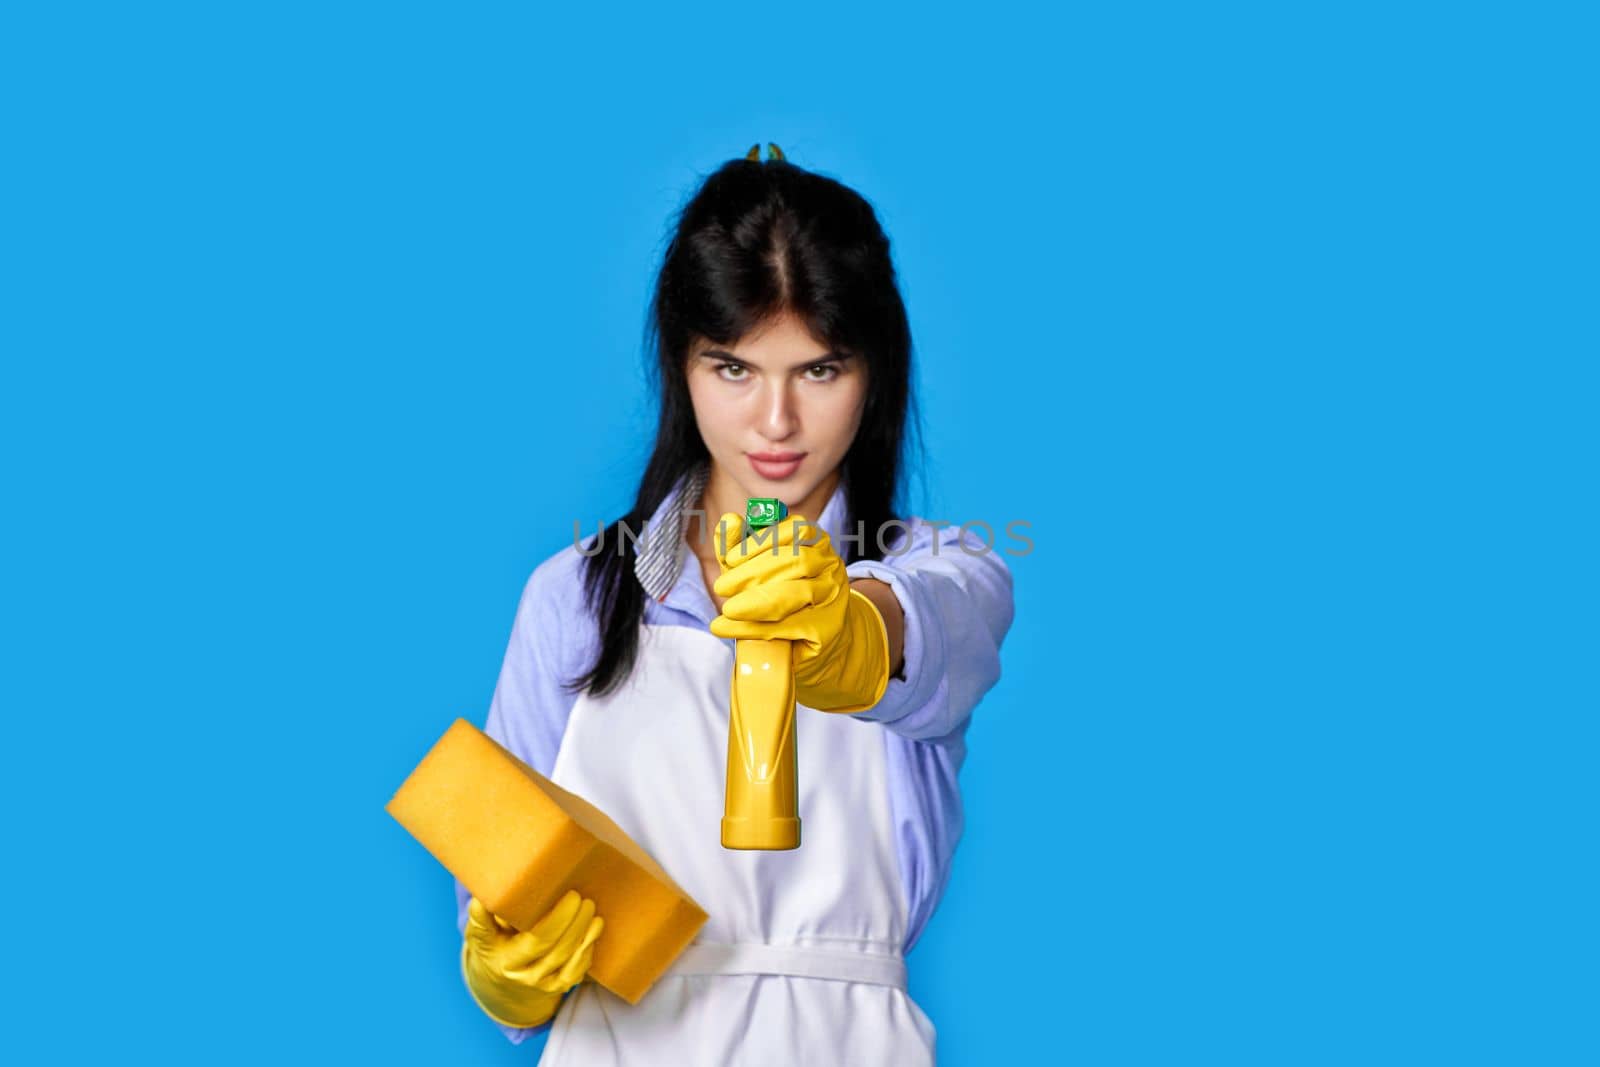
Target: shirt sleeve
x: 529, y: 710
x: 956, y: 591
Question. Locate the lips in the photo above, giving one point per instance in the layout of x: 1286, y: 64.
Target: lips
x: 776, y: 466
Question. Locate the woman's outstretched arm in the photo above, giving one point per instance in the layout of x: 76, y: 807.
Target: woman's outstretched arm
x: 953, y: 594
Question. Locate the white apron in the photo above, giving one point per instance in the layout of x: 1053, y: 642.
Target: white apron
x: 800, y: 961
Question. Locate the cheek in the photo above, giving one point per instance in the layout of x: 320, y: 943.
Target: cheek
x: 712, y: 414
x: 842, y: 412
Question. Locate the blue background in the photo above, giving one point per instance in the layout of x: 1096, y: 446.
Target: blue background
x: 321, y: 325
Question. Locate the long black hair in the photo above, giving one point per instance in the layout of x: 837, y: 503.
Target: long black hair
x: 754, y: 240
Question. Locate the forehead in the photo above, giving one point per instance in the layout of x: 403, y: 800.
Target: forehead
x: 783, y: 342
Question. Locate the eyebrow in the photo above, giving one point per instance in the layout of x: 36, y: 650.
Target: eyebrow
x: 726, y: 356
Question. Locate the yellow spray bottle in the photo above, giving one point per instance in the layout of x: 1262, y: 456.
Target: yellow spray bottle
x: 761, y: 805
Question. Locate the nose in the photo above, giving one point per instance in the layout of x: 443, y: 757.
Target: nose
x: 779, y: 418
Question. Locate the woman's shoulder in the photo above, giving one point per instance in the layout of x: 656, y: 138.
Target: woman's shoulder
x: 555, y: 587
x: 553, y: 623
x: 915, y: 540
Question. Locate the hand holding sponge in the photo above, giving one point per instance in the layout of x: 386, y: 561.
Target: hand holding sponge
x: 515, y: 839
x: 519, y: 977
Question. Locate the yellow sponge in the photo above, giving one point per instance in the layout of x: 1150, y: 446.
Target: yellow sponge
x: 518, y: 841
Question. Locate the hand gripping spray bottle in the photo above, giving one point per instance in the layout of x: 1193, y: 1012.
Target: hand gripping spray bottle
x: 761, y: 809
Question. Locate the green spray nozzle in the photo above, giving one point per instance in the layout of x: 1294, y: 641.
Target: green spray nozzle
x: 763, y: 511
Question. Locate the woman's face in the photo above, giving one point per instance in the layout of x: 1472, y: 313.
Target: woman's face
x: 779, y: 394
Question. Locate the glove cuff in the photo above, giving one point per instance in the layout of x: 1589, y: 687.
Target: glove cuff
x: 854, y: 677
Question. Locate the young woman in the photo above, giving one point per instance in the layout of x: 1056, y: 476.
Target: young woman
x: 784, y: 363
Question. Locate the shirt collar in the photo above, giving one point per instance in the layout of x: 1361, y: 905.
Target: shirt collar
x: 662, y: 546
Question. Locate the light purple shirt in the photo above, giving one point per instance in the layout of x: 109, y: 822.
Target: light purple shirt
x: 958, y: 608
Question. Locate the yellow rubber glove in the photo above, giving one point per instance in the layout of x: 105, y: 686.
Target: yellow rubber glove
x: 779, y: 587
x: 518, y: 979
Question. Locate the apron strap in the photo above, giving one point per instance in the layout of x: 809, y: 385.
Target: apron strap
x: 751, y: 957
